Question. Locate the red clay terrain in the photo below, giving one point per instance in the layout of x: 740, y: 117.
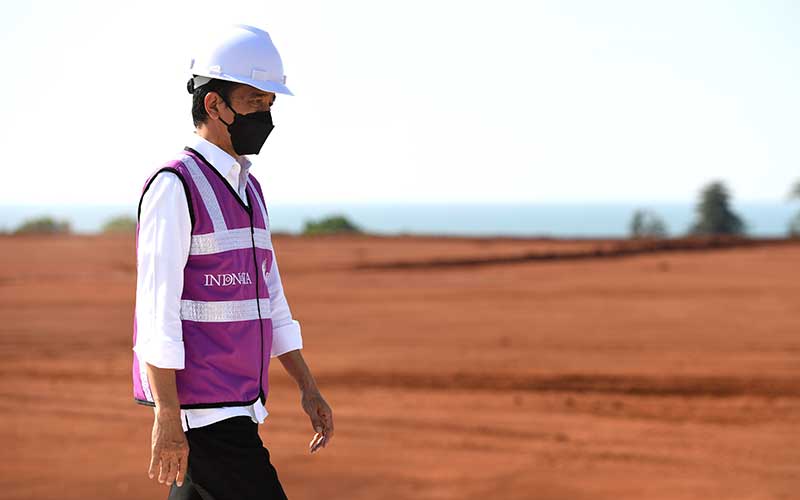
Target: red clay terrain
x: 456, y: 368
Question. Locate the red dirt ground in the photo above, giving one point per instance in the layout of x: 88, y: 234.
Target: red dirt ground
x: 671, y: 375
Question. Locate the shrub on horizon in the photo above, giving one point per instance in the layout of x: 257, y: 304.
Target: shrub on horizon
x: 44, y: 225
x: 647, y: 224
x: 334, y: 224
x: 119, y: 224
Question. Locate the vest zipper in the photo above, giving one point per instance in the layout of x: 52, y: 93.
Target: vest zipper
x: 258, y: 305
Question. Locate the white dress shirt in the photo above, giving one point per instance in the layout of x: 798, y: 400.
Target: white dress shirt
x: 163, y: 250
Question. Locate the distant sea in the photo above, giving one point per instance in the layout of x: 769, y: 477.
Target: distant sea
x: 545, y: 219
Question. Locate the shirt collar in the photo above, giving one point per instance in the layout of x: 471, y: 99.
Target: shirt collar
x: 222, y: 161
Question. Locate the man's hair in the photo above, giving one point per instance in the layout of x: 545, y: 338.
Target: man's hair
x: 221, y: 87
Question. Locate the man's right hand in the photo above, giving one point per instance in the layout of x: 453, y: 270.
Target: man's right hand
x: 170, y: 449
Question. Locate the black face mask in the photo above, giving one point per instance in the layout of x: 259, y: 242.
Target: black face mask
x: 250, y: 131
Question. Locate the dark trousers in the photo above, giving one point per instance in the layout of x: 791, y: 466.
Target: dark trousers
x: 227, y: 461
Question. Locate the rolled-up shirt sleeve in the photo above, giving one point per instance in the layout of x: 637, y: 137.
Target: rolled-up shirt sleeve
x: 285, y: 329
x: 162, y: 253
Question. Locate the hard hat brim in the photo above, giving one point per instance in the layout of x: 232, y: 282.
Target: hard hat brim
x: 263, y: 85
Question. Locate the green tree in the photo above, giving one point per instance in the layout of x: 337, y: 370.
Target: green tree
x: 713, y: 213
x: 647, y: 224
x: 794, y: 223
x: 119, y: 224
x: 43, y: 225
x: 795, y: 191
x: 794, y: 226
x: 330, y: 225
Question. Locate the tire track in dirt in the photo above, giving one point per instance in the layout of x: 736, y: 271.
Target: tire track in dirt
x: 625, y: 248
x: 633, y: 385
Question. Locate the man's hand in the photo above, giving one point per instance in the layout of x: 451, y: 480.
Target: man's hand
x: 170, y: 448
x: 313, y: 402
x: 321, y: 418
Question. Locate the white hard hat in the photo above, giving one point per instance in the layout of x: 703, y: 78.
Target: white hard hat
x: 241, y: 54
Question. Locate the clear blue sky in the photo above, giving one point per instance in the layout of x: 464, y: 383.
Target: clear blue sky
x: 427, y: 101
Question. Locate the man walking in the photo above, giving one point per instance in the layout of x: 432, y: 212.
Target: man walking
x: 210, y: 307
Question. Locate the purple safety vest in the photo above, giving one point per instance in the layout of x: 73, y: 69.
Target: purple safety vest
x: 225, y: 306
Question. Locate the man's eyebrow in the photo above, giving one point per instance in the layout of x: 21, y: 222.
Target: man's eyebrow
x: 257, y: 95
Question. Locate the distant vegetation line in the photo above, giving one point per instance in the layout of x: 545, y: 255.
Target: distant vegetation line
x: 713, y: 217
x: 125, y: 224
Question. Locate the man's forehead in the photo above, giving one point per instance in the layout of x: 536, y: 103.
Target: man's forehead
x: 249, y: 92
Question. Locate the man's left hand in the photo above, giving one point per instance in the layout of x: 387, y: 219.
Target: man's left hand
x: 321, y: 418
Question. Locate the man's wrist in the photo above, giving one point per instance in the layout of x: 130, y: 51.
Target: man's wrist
x: 168, y: 412
x: 307, y: 384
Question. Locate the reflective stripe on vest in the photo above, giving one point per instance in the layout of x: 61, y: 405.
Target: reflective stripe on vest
x: 260, y: 203
x: 224, y: 310
x: 230, y: 239
x: 206, y: 193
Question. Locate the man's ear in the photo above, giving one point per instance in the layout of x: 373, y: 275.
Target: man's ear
x: 211, y: 102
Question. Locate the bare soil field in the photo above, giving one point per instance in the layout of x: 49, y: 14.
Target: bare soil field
x: 456, y: 368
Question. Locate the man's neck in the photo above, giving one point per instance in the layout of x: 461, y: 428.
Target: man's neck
x: 206, y: 134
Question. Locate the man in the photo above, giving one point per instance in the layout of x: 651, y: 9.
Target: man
x: 210, y: 307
